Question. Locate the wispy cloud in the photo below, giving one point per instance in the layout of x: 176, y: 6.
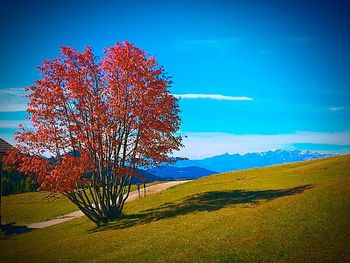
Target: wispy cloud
x: 12, y: 107
x: 336, y: 108
x: 201, y: 145
x: 221, y: 43
x: 299, y: 39
x: 209, y: 96
x: 12, y: 100
x: 9, y: 124
x: 13, y: 124
x: 12, y: 91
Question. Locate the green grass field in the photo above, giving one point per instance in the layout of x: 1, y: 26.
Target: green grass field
x: 22, y: 209
x: 297, y: 212
x: 26, y: 208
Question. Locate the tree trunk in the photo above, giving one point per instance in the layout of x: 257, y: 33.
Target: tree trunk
x: 101, y: 208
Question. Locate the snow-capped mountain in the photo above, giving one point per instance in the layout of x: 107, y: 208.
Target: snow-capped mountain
x: 230, y: 162
x: 193, y: 169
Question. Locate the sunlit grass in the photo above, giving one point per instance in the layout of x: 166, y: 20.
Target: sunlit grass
x: 26, y: 208
x: 22, y: 209
x: 287, y: 213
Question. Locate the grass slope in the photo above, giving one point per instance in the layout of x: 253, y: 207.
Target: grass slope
x: 297, y: 212
x: 22, y: 209
x: 26, y: 208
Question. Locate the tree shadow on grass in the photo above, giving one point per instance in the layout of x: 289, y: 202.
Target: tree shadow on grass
x: 208, y: 201
x: 10, y: 230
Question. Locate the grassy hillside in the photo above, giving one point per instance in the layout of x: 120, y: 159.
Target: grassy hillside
x: 26, y: 208
x: 22, y: 209
x: 297, y: 212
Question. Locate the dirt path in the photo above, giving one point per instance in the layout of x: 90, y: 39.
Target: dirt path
x: 132, y: 196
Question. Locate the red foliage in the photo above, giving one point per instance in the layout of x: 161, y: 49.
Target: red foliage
x: 105, y: 118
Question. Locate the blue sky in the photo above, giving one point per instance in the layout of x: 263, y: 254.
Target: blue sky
x: 252, y: 75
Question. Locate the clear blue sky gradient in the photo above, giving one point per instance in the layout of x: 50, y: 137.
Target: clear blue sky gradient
x: 291, y: 57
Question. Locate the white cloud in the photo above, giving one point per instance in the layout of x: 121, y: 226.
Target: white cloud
x: 12, y: 107
x: 12, y: 100
x: 209, y: 96
x: 336, y: 108
x: 299, y: 39
x: 201, y: 145
x: 13, y: 124
x: 12, y: 91
x: 9, y: 124
x: 217, y: 43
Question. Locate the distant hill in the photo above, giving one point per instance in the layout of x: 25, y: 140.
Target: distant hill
x: 147, y: 177
x: 229, y: 162
x: 194, y: 169
x: 177, y: 173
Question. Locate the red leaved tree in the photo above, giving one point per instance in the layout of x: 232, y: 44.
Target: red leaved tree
x: 100, y: 121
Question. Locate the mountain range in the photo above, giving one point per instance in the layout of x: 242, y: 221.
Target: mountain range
x: 180, y: 173
x: 193, y: 169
